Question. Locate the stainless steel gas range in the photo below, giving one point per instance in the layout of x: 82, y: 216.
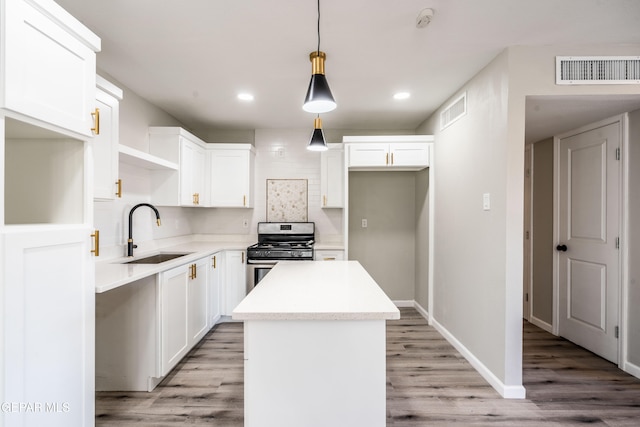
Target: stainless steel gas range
x: 278, y: 241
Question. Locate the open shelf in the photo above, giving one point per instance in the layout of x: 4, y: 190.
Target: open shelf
x: 144, y: 160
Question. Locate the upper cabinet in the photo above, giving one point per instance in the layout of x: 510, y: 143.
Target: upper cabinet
x: 49, y: 65
x: 332, y: 177
x: 106, y: 185
x: 186, y: 186
x: 230, y: 170
x: 402, y: 152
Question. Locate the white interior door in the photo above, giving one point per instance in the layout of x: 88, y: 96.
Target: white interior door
x: 588, y: 258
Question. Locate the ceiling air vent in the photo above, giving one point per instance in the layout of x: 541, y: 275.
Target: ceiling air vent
x: 597, y: 70
x: 454, y: 111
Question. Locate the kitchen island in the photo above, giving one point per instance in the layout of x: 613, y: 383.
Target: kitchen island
x: 315, y: 352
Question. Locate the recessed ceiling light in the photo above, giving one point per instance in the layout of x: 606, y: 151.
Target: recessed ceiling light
x: 245, y: 97
x: 401, y: 95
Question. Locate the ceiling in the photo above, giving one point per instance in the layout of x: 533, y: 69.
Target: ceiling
x: 192, y: 57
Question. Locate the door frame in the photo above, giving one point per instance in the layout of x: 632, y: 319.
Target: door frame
x: 527, y: 295
x: 623, y: 219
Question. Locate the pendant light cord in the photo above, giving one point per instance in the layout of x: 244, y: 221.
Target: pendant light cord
x: 318, y: 27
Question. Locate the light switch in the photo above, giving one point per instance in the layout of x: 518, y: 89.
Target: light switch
x: 486, y: 201
x: 364, y: 223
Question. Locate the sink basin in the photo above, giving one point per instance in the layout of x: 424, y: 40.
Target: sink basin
x: 157, y: 258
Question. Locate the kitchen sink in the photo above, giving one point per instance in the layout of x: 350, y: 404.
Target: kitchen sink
x: 157, y: 258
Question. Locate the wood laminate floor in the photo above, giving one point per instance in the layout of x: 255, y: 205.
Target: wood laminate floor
x: 428, y: 384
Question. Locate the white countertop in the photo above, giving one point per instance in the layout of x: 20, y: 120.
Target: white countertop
x: 317, y: 290
x: 112, y: 273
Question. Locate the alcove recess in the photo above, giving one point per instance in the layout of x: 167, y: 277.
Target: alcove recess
x: 44, y: 176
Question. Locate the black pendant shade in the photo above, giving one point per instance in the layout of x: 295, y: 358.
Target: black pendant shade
x: 317, y: 142
x: 319, y: 98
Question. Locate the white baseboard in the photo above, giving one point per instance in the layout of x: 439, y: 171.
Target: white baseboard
x: 506, y: 391
x: 404, y: 303
x: 632, y: 369
x: 541, y: 324
x: 424, y: 313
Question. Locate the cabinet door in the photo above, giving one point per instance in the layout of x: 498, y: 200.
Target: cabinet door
x: 235, y: 280
x: 47, y: 338
x: 409, y: 154
x: 105, y: 147
x: 230, y: 178
x: 328, y: 255
x: 192, y: 163
x: 174, y: 310
x: 368, y: 155
x: 198, y: 300
x: 49, y: 71
x: 216, y: 276
x: 331, y: 179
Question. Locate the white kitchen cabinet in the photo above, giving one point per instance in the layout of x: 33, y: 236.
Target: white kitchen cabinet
x: 403, y: 152
x: 328, y: 255
x: 332, y: 177
x: 183, y: 311
x: 173, y: 313
x: 198, y: 300
x: 235, y: 281
x: 215, y: 279
x: 230, y: 171
x: 49, y: 65
x: 186, y: 186
x: 106, y: 142
x: 47, y: 351
x: 47, y: 292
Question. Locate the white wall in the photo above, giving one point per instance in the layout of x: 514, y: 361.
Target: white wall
x: 478, y: 254
x: 386, y: 247
x: 470, y: 253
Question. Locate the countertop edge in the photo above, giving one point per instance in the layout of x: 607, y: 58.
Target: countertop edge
x: 317, y: 316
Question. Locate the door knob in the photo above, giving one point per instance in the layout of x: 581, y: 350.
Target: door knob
x: 562, y: 248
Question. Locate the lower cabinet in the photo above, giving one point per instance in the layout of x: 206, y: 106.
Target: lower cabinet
x: 198, y: 295
x: 235, y: 283
x: 183, y: 311
x: 143, y: 329
x: 174, y: 312
x: 215, y: 279
x: 47, y: 325
x: 328, y: 255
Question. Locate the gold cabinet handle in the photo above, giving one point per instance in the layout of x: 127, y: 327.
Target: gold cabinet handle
x: 119, y: 188
x: 193, y: 271
x: 242, y: 257
x: 386, y: 159
x: 214, y: 261
x: 244, y: 200
x: 329, y: 258
x: 96, y: 121
x: 324, y: 200
x: 391, y: 158
x: 195, y: 198
x: 96, y: 243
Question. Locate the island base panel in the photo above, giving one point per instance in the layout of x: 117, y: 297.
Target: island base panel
x: 315, y: 373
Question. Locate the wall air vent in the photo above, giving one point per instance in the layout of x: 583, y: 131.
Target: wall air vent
x: 597, y: 70
x: 456, y: 110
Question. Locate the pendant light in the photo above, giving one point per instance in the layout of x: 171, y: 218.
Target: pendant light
x: 319, y: 98
x: 317, y: 142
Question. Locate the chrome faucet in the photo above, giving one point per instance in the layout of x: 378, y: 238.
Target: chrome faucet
x: 130, y: 245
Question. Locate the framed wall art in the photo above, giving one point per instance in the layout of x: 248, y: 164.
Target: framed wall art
x: 287, y: 200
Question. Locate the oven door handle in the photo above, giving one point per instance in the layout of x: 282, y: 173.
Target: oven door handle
x: 258, y: 262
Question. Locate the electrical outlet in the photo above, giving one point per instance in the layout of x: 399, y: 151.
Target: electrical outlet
x: 245, y: 223
x: 364, y: 223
